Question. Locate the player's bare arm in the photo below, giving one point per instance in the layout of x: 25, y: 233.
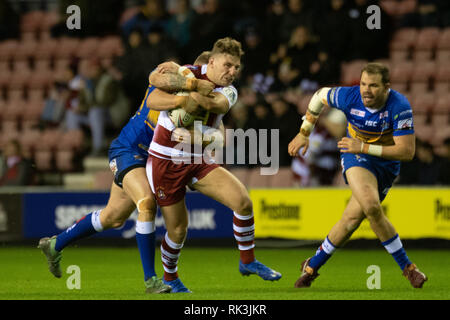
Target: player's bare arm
x: 214, y: 102
x: 315, y: 107
x: 402, y: 150
x: 173, y: 82
x: 161, y: 101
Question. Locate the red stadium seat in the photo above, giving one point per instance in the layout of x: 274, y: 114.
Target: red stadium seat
x: 49, y: 139
x: 423, y: 103
x: 443, y: 72
x: 422, y: 76
x: 420, y: 119
x: 32, y: 113
x: 14, y: 110
x: 402, y: 71
x: 49, y: 20
x: 390, y: 6
x: 21, y: 66
x: 46, y: 49
x: 8, y: 49
x: 88, y: 47
x: 404, y: 38
x: 441, y: 87
x: 64, y: 160
x: 8, y: 134
x: 67, y: 48
x: 110, y: 47
x: 444, y: 39
x: 25, y: 49
x: 31, y: 21
x: 351, y: 71
x: 399, y: 54
x: 40, y: 80
x: 442, y: 104
x: 424, y: 133
x: 427, y: 39
x: 44, y: 160
x: 18, y: 80
x: 443, y: 55
x: 71, y: 140
x: 406, y: 6
x: 29, y: 139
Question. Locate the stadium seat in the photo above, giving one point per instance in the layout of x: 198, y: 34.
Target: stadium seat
x: 15, y: 94
x: 32, y: 113
x: 241, y: 173
x: 351, y: 71
x: 283, y: 179
x: 8, y: 49
x: 442, y: 104
x: 25, y: 49
x: 420, y: 119
x: 8, y: 134
x: 49, y: 139
x: 406, y: 7
x: 67, y: 47
x: 440, y: 135
x: 422, y: 76
x: 36, y: 94
x: 404, y: 38
x: 71, y: 140
x: 402, y: 71
x: 88, y: 47
x: 43, y: 160
x: 21, y: 66
x: 399, y: 54
x: 110, y: 47
x: 256, y: 180
x: 427, y: 38
x: 40, y: 80
x: 30, y: 21
x: 18, y: 80
x: 46, y: 49
x: 390, y: 6
x: 424, y: 133
x: 29, y: 139
x: 443, y: 55
x: 443, y: 41
x: 49, y: 19
x: 64, y: 160
x: 14, y: 110
x: 423, y: 103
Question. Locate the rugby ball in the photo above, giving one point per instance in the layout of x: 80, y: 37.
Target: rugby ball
x: 179, y: 116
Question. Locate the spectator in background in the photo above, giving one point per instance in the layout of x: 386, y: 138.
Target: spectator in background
x: 18, y: 171
x: 297, y: 56
x: 297, y: 13
x: 98, y: 92
x: 320, y: 164
x: 424, y: 169
x: 256, y: 58
x: 209, y: 23
x: 273, y: 23
x: 287, y: 120
x: 369, y: 44
x: 335, y: 32
x: 325, y: 69
x: 151, y: 14
x: 179, y: 27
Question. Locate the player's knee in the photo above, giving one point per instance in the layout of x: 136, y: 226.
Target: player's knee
x: 245, y: 206
x: 146, y: 204
x: 373, y: 210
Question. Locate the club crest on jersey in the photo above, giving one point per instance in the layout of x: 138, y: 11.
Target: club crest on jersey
x: 384, y: 114
x: 357, y: 112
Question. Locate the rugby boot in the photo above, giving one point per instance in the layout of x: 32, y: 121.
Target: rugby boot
x: 47, y: 245
x: 177, y: 286
x: 307, y: 276
x: 258, y: 268
x: 414, y: 275
x: 155, y: 285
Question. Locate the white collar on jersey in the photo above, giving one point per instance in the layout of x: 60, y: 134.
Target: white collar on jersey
x: 371, y: 110
x: 204, y: 68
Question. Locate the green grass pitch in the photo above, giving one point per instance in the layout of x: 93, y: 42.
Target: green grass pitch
x: 212, y: 274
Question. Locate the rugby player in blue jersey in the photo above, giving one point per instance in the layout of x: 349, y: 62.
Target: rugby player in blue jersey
x: 130, y: 189
x: 380, y: 134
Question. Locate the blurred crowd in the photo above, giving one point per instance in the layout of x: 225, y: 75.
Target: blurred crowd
x: 292, y: 47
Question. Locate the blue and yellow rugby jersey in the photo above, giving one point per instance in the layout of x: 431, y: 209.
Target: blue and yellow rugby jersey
x: 138, y: 132
x: 369, y: 125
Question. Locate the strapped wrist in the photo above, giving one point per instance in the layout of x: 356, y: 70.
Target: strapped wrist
x: 191, y: 84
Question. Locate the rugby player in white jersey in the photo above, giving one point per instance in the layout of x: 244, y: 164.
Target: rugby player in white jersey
x: 168, y: 174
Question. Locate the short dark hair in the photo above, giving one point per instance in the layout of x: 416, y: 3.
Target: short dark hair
x: 229, y: 46
x: 378, y: 68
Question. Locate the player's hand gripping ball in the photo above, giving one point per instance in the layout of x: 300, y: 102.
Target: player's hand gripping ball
x: 179, y: 116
